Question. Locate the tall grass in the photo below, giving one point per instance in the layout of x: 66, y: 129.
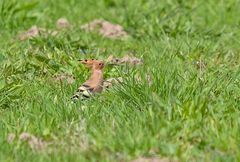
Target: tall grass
x: 184, y: 105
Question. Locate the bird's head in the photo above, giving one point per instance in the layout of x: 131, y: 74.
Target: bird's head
x: 98, y: 65
x: 93, y: 64
x: 88, y: 63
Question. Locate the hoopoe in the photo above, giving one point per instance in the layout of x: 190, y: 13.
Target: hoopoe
x: 95, y: 83
x: 88, y: 62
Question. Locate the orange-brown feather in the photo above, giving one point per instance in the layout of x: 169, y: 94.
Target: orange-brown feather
x: 95, y: 83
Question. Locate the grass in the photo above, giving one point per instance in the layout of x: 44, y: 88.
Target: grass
x: 190, y: 112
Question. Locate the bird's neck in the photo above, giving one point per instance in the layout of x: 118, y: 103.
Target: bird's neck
x: 97, y: 75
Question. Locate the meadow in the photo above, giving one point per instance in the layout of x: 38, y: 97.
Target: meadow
x: 184, y: 106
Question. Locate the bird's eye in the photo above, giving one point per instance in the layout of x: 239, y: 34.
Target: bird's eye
x: 92, y: 59
x: 85, y: 60
x: 100, y: 64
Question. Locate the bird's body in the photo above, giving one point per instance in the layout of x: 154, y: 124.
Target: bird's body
x: 94, y: 84
x: 95, y: 81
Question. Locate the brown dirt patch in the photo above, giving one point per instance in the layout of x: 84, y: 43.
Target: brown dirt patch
x: 106, y: 29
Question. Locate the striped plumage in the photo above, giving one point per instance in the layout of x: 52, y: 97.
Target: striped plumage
x: 94, y: 83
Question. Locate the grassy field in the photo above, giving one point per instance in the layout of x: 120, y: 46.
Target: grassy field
x: 188, y: 111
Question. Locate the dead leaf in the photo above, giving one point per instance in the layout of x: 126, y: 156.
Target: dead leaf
x: 201, y: 66
x: 152, y: 159
x: 35, y: 143
x: 62, y: 23
x: 106, y: 29
x: 11, y: 137
x: 64, y: 76
x: 112, y: 81
x: 147, y: 77
x: 126, y: 59
x: 35, y: 31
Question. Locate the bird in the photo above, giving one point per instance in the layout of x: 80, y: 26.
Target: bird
x: 94, y: 84
x: 88, y: 62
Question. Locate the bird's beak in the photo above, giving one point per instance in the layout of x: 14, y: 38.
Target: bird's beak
x: 81, y: 61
